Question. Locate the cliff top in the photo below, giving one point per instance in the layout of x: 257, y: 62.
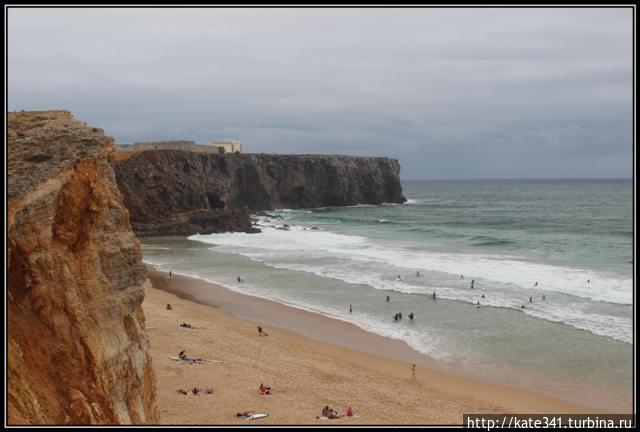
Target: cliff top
x: 43, y: 143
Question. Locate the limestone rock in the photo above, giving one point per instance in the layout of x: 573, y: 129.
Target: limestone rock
x: 77, y: 348
x: 161, y: 188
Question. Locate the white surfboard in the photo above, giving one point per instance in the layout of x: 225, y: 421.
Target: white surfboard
x: 256, y: 416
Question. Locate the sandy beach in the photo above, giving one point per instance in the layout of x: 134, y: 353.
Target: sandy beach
x: 305, y: 372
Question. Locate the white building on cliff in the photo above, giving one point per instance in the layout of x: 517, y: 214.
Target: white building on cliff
x: 233, y: 146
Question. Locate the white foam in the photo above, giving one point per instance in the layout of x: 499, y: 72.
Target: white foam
x: 496, y: 268
x: 358, y: 260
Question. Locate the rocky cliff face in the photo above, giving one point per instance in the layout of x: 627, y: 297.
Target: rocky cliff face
x: 172, y: 191
x: 77, y: 349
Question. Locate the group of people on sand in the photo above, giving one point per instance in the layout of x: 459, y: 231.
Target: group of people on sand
x: 331, y: 413
x: 195, y: 391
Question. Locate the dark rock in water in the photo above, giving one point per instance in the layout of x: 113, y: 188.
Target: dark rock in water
x: 314, y: 228
x: 286, y: 226
x: 162, y: 188
x: 283, y: 228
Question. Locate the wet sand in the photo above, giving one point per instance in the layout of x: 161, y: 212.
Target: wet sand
x: 310, y: 360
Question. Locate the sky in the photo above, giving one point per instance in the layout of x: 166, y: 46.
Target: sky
x: 451, y: 93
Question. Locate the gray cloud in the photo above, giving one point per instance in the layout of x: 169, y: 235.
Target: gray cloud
x: 452, y: 93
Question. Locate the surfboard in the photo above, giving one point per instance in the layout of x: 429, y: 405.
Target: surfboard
x: 256, y: 416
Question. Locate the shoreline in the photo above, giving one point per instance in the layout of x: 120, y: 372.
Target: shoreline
x: 376, y: 354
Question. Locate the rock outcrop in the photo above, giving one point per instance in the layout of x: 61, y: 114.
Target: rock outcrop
x: 77, y: 348
x: 173, y: 191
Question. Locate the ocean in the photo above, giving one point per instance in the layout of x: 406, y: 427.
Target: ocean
x: 551, y: 263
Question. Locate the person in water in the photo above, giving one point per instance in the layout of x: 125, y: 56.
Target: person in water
x: 418, y: 273
x: 522, y: 307
x: 472, y: 282
x: 387, y: 298
x: 482, y: 295
x: 530, y: 299
x: 399, y: 315
x: 536, y: 284
x: 544, y: 297
x: 411, y: 316
x: 350, y: 308
x: 434, y: 295
x: 395, y: 318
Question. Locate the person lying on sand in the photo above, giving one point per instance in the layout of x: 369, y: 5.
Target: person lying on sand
x: 189, y: 360
x: 187, y: 325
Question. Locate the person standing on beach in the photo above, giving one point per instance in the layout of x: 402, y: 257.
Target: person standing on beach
x: 260, y: 332
x: 169, y: 274
x: 413, y: 371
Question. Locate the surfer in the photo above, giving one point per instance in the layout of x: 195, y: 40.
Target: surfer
x: 472, y: 282
x: 530, y: 299
x: 434, y: 295
x: 239, y: 279
x: 536, y: 284
x: 399, y: 315
x: 482, y: 295
x: 350, y: 308
x: 411, y: 316
x: 387, y: 298
x: 522, y: 307
x: 399, y: 277
x: 418, y: 273
x: 588, y: 281
x: 395, y: 318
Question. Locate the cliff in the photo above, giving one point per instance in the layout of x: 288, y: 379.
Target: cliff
x: 77, y: 348
x: 178, y: 192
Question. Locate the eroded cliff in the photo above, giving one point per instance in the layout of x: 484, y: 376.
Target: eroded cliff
x: 179, y: 192
x: 77, y: 348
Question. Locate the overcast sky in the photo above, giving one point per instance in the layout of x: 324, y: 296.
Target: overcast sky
x: 451, y: 93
